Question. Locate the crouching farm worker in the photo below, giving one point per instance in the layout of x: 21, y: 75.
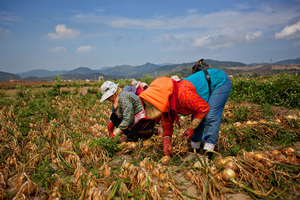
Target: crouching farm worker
x: 128, y: 115
x: 166, y: 97
x: 140, y: 87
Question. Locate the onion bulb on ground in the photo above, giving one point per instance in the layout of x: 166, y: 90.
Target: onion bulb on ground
x: 258, y: 157
x: 131, y: 145
x: 162, y: 177
x: 229, y: 158
x: 229, y: 175
x: 188, y: 174
x: 220, y: 162
x: 165, y: 160
x: 155, y: 172
x: 213, y: 170
x: 276, y: 153
x: 288, y: 151
x: 232, y: 165
x: 237, y: 124
x: 126, y: 164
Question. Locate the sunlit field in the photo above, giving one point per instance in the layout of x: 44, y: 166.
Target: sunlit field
x: 54, y: 144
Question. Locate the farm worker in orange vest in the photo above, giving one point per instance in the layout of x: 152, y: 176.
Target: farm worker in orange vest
x: 167, y: 97
x: 192, y: 95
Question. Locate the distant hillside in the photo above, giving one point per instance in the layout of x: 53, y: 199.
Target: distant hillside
x: 128, y: 71
x: 289, y: 61
x: 40, y: 73
x: 80, y: 70
x: 5, y: 76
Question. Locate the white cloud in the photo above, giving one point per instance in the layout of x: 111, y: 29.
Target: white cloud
x: 58, y: 49
x: 3, y: 32
x: 7, y: 18
x: 226, y: 38
x: 256, y: 18
x: 297, y: 43
x: 62, y: 32
x: 83, y: 49
x: 289, y: 32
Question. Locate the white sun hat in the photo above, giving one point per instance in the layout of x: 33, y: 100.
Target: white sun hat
x: 108, y: 88
x: 176, y: 78
x: 136, y: 83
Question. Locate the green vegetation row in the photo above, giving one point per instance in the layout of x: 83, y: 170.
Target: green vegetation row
x: 276, y: 90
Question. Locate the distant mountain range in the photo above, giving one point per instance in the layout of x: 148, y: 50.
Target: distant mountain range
x: 127, y: 71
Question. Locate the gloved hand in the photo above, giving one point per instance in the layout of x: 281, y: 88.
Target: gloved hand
x: 167, y: 146
x: 188, y: 133
x: 112, y: 135
x: 110, y: 127
x: 116, y: 132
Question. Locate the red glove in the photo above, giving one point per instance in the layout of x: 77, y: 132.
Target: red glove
x: 110, y: 127
x: 112, y: 135
x: 167, y: 146
x: 188, y: 133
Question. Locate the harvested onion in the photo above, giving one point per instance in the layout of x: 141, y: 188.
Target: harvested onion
x: 165, y: 160
x: 228, y: 158
x: 232, y: 165
x: 162, y: 177
x: 237, y: 124
x: 188, y: 175
x: 213, y: 170
x: 288, y: 151
x: 228, y: 174
x: 155, y: 172
x: 258, y: 157
x: 276, y: 153
x: 221, y: 162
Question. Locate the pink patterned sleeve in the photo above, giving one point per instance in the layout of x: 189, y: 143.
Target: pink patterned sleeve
x: 190, y: 102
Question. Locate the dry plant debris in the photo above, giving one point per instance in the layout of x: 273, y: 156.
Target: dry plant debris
x: 59, y: 158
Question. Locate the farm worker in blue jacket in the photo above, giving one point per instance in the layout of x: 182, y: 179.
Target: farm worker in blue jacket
x: 216, y: 97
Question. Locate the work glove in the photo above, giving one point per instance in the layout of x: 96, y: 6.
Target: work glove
x: 188, y: 133
x: 167, y: 146
x: 195, y: 123
x: 116, y: 132
x: 110, y: 127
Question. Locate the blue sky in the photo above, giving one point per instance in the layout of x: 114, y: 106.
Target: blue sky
x: 67, y: 34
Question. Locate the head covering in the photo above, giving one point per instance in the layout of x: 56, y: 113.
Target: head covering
x: 130, y: 89
x: 157, y: 96
x: 176, y: 78
x: 144, y: 85
x: 135, y: 83
x: 108, y: 88
x: 151, y: 111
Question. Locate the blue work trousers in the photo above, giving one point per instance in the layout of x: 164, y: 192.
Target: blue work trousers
x: 208, y: 130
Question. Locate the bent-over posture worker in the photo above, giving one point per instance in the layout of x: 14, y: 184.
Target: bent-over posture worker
x: 193, y: 96
x: 128, y: 114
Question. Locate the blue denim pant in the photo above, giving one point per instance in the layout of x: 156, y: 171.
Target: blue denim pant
x: 208, y: 130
